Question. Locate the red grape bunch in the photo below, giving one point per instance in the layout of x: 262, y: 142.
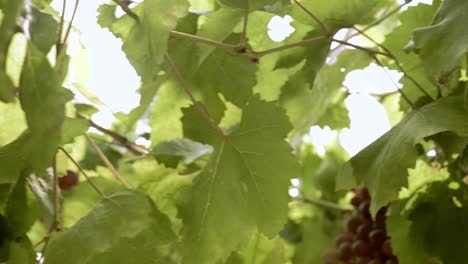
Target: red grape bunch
x: 68, y: 181
x: 364, y: 240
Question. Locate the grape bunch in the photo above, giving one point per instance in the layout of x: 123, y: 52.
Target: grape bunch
x: 364, y: 240
x: 68, y: 181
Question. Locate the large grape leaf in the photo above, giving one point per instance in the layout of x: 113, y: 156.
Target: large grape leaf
x: 145, y: 42
x: 398, y: 39
x: 12, y: 122
x: 12, y: 158
x: 383, y: 165
x: 306, y: 98
x: 42, y: 95
x: 427, y: 224
x: 448, y: 32
x: 124, y: 227
x: 238, y: 189
x: 171, y: 152
x: 267, y: 5
x: 43, y: 30
x: 11, y: 11
x: 336, y: 13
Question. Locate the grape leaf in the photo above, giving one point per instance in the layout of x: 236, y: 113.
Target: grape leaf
x: 419, y: 224
x: 267, y: 5
x: 382, y: 166
x: 7, y: 89
x: 396, y: 41
x: 41, y: 95
x: 306, y: 100
x: 72, y: 128
x: 171, y: 152
x: 43, y: 30
x: 21, y: 252
x: 12, y: 122
x: 42, y: 186
x: 19, y: 210
x: 12, y: 158
x: 124, y: 227
x: 238, y: 189
x: 447, y: 32
x: 349, y: 12
x: 228, y: 17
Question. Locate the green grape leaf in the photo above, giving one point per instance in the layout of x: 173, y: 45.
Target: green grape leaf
x: 41, y: 95
x: 21, y: 252
x: 419, y: 224
x: 43, y: 30
x: 232, y: 76
x: 145, y: 42
x: 73, y: 127
x: 275, y: 6
x: 228, y: 17
x: 383, y: 165
x: 336, y: 13
x: 124, y: 227
x: 42, y: 186
x: 19, y: 210
x: 7, y: 89
x: 171, y: 152
x: 306, y: 100
x: 396, y: 41
x: 12, y: 158
x: 11, y: 12
x: 86, y: 110
x: 447, y: 32
x: 166, y: 112
x: 12, y: 122
x: 238, y: 189
x: 336, y: 115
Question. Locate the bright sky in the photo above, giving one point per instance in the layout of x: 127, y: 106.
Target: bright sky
x: 114, y: 81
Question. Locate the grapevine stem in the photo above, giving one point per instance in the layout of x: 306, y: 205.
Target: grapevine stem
x: 243, y: 41
x: 55, y: 189
x: 206, y: 41
x: 132, y: 147
x: 403, y: 94
x: 397, y: 62
x: 324, y: 27
x: 67, y: 34
x: 197, y: 105
x: 58, y: 45
x: 106, y: 161
x: 292, y: 45
x: 127, y: 10
x: 83, y: 172
x: 325, y: 204
x: 370, y: 51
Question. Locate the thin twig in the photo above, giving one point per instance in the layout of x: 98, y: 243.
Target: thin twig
x: 403, y: 94
x: 127, y: 10
x: 324, y: 27
x: 106, y: 161
x: 55, y: 190
x: 370, y: 51
x: 197, y: 105
x: 206, y: 41
x: 243, y: 41
x: 125, y: 142
x: 65, y: 39
x: 397, y: 62
x: 292, y: 45
x: 83, y: 172
x: 325, y: 204
x: 58, y: 44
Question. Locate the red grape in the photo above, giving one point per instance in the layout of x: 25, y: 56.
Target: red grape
x: 330, y: 256
x: 387, y: 248
x: 363, y: 231
x: 344, y: 251
x: 375, y: 261
x: 363, y: 209
x: 392, y: 260
x: 360, y: 248
x: 377, y: 237
x: 352, y: 223
x: 343, y: 237
x: 68, y: 181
